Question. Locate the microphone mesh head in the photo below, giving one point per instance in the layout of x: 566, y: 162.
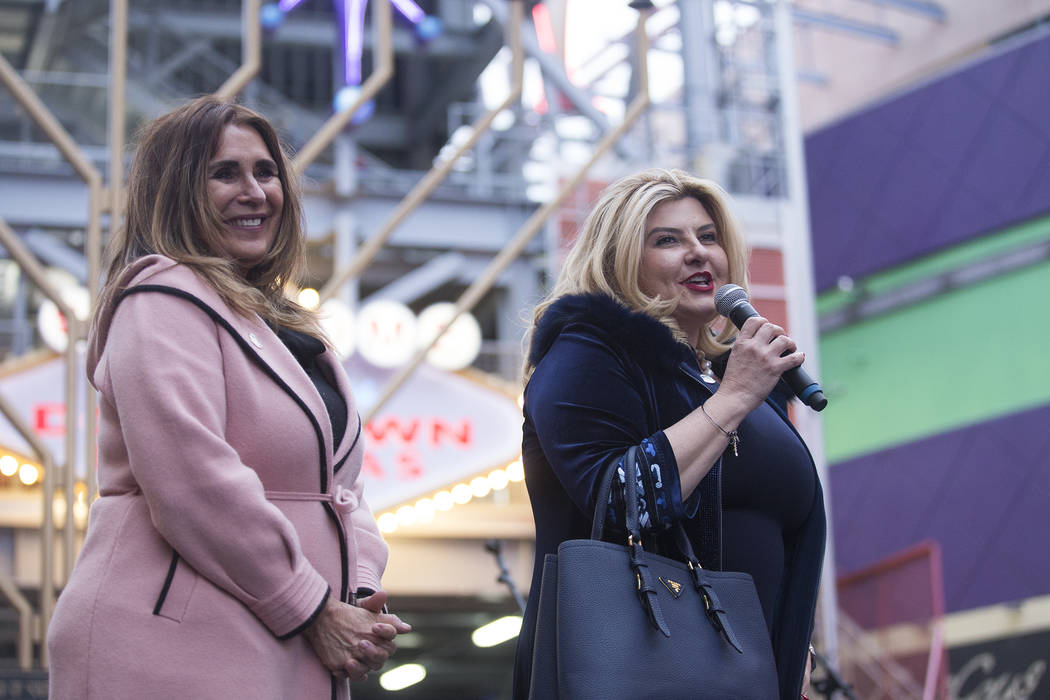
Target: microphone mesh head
x: 728, y: 296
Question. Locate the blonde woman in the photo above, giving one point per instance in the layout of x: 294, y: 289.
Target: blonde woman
x: 230, y: 553
x: 628, y: 350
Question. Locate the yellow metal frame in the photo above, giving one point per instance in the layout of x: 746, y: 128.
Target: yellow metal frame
x: 426, y: 186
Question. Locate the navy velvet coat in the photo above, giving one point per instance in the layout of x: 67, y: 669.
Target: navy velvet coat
x: 607, y: 378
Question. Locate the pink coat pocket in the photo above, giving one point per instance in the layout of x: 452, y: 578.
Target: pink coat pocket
x: 174, y: 598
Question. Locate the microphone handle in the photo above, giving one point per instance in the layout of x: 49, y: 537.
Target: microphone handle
x: 805, y: 387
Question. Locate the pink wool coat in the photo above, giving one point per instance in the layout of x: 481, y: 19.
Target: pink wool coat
x: 225, y: 515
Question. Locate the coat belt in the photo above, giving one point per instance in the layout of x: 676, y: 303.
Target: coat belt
x: 344, y: 500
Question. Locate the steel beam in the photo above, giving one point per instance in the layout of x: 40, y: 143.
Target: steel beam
x: 864, y: 30
x: 553, y: 71
x: 931, y: 10
x: 61, y: 138
x: 251, y: 51
x: 426, y: 186
x: 474, y: 293
x: 20, y: 254
x: 422, y: 280
x: 384, y: 70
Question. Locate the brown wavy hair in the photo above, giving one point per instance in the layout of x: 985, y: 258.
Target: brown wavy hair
x: 170, y: 213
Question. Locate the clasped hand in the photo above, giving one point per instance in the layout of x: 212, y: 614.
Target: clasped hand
x: 353, y: 640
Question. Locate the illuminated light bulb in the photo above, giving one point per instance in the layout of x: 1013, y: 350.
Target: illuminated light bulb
x: 28, y: 474
x: 386, y: 333
x: 8, y: 465
x: 497, y: 631
x: 401, y: 677
x: 461, y: 494
x: 480, y: 487
x: 58, y: 510
x: 271, y: 16
x: 424, y: 510
x: 443, y: 500
x: 345, y: 98
x: 406, y: 515
x: 309, y: 298
x: 515, y: 471
x: 337, y: 322
x: 521, y: 400
x: 387, y: 522
x: 429, y: 28
x: 460, y: 343
x: 498, y: 479
x: 80, y: 513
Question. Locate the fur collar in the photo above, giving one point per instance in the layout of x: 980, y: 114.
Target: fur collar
x: 643, y: 337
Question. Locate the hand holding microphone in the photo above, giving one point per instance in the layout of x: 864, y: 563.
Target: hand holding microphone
x: 731, y: 301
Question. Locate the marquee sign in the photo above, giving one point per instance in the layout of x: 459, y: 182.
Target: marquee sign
x: 439, y: 429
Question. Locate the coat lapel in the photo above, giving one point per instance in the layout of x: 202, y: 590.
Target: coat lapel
x: 332, y: 366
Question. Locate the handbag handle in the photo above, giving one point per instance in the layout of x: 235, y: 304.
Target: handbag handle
x: 646, y: 589
x: 602, y: 499
x: 630, y: 459
x: 647, y: 592
x: 632, y: 526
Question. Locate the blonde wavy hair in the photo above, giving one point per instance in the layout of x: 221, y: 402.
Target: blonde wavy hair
x: 606, y: 255
x: 170, y: 213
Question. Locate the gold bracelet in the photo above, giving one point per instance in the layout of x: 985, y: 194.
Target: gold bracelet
x: 734, y: 437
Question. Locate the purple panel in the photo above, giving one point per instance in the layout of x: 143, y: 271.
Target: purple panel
x: 1014, y: 557
x: 842, y: 217
x: 819, y: 150
x: 862, y: 161
x: 959, y: 157
x: 991, y: 75
x: 914, y: 182
x: 972, y: 504
x: 951, y: 122
x: 981, y: 492
x: 1030, y: 98
x: 1038, y: 192
x: 876, y: 510
x: 856, y: 172
x: 901, y: 114
x: 963, y: 209
x: 887, y: 229
x: 1005, y: 160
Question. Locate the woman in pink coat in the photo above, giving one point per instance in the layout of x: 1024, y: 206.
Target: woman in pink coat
x: 230, y: 553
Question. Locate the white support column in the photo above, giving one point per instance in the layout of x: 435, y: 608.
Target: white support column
x: 801, y: 298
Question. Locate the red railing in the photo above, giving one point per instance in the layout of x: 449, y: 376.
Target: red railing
x: 893, y: 639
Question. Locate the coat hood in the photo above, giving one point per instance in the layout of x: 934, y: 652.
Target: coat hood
x: 135, y: 273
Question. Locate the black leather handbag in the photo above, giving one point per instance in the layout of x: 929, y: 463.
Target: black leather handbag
x: 616, y: 622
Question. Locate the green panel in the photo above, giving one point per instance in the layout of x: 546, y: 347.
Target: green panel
x: 944, y: 261
x: 964, y: 357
